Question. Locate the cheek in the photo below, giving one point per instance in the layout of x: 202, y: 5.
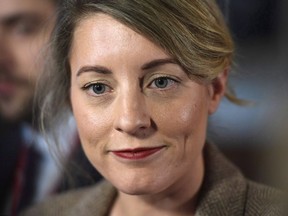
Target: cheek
x: 185, y: 117
x: 31, y: 64
x: 93, y: 133
x: 88, y: 124
x: 92, y: 123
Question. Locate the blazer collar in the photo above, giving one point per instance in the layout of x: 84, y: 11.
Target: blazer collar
x: 224, y: 187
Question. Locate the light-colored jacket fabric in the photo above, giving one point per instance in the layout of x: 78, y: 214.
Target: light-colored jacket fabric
x: 225, y: 192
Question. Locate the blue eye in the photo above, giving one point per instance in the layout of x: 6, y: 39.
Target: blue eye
x: 98, y: 88
x: 162, y: 82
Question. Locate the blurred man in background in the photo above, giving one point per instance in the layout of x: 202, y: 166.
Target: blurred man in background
x: 28, y: 173
x: 25, y: 27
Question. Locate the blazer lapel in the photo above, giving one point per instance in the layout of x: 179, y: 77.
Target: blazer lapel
x: 224, y: 188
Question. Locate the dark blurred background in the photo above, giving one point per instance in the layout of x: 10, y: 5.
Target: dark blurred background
x: 255, y: 137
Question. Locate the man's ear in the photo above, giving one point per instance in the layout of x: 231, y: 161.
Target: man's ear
x: 217, y: 89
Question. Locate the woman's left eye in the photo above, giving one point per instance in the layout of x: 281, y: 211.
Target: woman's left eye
x: 162, y: 82
x: 98, y: 88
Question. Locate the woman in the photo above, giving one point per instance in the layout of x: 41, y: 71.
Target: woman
x: 141, y: 78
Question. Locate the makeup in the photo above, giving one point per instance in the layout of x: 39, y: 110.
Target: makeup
x: 137, y: 154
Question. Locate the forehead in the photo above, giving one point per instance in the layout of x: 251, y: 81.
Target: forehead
x: 99, y: 26
x: 11, y: 7
x: 103, y: 40
x: 109, y: 35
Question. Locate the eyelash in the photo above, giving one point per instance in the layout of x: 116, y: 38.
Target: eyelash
x: 167, y: 78
x: 89, y: 86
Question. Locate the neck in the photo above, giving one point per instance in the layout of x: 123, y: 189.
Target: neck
x: 178, y: 199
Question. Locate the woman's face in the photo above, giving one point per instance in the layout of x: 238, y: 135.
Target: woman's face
x: 141, y: 120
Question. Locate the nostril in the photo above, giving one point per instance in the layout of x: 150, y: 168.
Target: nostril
x: 142, y: 127
x: 132, y: 126
x: 131, y: 115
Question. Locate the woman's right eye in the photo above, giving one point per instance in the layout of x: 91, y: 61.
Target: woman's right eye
x: 97, y: 89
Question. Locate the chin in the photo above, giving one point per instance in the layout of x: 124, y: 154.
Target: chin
x: 136, y: 187
x: 136, y: 190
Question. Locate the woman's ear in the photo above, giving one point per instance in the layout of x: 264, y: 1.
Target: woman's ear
x: 217, y: 89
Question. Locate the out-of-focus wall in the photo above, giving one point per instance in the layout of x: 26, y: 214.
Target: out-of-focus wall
x: 256, y: 137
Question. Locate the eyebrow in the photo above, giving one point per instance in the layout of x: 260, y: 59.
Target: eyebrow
x: 14, y: 18
x: 103, y: 70
x: 96, y: 68
x: 158, y: 62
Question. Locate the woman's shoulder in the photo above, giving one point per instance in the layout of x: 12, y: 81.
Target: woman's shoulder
x: 226, y: 191
x: 92, y: 200
x: 264, y: 200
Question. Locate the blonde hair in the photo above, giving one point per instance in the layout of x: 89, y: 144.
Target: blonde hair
x: 193, y: 32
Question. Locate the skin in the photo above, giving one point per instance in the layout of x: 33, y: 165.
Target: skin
x: 131, y: 111
x: 25, y: 26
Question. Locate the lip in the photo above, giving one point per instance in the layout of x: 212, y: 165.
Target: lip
x: 7, y: 89
x: 137, y: 153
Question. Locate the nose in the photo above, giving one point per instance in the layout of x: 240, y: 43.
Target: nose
x: 132, y: 116
x: 5, y: 55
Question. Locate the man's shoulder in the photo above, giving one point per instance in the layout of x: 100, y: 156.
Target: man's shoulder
x: 91, y: 200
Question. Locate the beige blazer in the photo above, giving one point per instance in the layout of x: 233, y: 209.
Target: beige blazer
x: 225, y: 192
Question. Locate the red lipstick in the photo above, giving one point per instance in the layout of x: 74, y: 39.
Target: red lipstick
x: 136, y: 154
